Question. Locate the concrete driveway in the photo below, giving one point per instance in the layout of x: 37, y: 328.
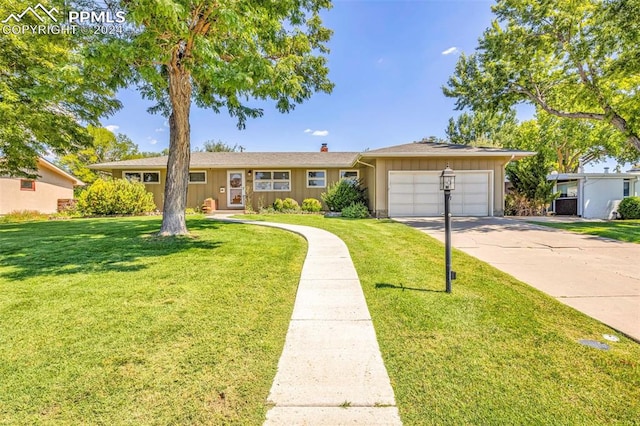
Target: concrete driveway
x: 597, y: 276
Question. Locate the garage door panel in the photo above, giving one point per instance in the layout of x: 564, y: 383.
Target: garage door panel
x: 425, y: 188
x: 403, y: 178
x: 422, y: 198
x: 418, y: 194
x: 426, y: 178
x: 475, y: 198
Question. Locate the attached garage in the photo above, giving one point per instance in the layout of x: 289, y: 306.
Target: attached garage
x: 417, y: 193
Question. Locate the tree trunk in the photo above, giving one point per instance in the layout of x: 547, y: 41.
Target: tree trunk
x: 175, y: 191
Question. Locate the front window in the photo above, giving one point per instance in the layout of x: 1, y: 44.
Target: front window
x: 27, y: 185
x: 144, y: 177
x: 316, y: 178
x: 198, y: 177
x: 272, y: 180
x: 350, y: 174
x: 568, y: 189
x: 626, y: 187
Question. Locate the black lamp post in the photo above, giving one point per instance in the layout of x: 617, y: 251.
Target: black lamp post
x: 447, y: 184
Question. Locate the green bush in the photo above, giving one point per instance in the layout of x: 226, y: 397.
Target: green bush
x: 344, y: 193
x: 115, y: 197
x: 356, y: 211
x: 311, y: 205
x: 629, y: 208
x: 278, y: 205
x: 289, y: 204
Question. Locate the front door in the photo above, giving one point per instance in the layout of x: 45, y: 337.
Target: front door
x: 235, y: 194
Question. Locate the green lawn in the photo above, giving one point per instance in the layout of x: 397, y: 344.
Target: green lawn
x: 103, y: 323
x: 623, y: 230
x: 495, y: 351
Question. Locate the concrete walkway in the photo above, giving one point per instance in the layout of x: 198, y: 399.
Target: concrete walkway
x: 331, y: 371
x: 597, y: 276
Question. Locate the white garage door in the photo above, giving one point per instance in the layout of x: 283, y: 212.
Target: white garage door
x: 418, y: 194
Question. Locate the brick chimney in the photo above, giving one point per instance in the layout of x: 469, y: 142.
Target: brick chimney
x: 324, y: 148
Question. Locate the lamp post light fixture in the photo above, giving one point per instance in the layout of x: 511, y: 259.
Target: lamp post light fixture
x: 447, y: 184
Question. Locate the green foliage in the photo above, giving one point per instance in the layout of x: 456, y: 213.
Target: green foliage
x: 569, y: 143
x: 356, y: 211
x: 343, y: 193
x: 575, y: 60
x: 311, y: 205
x: 290, y: 204
x: 105, y: 147
x: 220, y: 55
x: 629, y: 208
x: 23, y: 216
x: 219, y: 146
x: 47, y: 90
x: 529, y: 179
x: 278, y: 205
x: 483, y: 129
x: 115, y: 197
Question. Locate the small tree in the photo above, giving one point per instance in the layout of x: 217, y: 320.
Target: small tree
x: 529, y: 180
x: 343, y: 193
x: 115, y: 197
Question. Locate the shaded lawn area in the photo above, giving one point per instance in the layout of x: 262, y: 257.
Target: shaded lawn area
x: 103, y: 323
x: 495, y: 351
x: 623, y: 230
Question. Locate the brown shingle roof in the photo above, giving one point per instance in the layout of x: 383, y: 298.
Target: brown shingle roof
x: 243, y: 160
x: 431, y: 149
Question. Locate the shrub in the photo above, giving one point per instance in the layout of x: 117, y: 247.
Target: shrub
x: 289, y: 204
x: 23, y: 216
x: 278, y: 205
x: 356, y: 211
x: 115, y: 196
x: 344, y: 193
x: 629, y: 208
x: 311, y: 205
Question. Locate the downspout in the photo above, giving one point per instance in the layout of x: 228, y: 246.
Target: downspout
x: 375, y: 188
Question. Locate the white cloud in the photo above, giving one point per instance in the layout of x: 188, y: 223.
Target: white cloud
x: 450, y: 50
x: 152, y: 141
x: 320, y: 133
x: 159, y: 130
x: 112, y: 127
x: 308, y: 131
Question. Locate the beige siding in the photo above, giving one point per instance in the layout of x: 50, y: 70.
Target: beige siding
x: 50, y: 187
x: 217, y: 179
x: 495, y: 164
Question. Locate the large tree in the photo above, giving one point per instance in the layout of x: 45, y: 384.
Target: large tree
x: 573, y: 59
x: 480, y: 128
x: 218, y: 54
x: 569, y: 144
x: 105, y: 147
x: 47, y: 93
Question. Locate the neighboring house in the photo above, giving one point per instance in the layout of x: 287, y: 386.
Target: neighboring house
x: 402, y: 180
x: 40, y: 194
x: 592, y: 195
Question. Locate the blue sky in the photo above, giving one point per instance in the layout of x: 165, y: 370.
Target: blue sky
x: 389, y: 60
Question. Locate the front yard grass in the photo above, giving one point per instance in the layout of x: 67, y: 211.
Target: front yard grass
x: 495, y: 351
x: 623, y: 230
x: 103, y: 323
